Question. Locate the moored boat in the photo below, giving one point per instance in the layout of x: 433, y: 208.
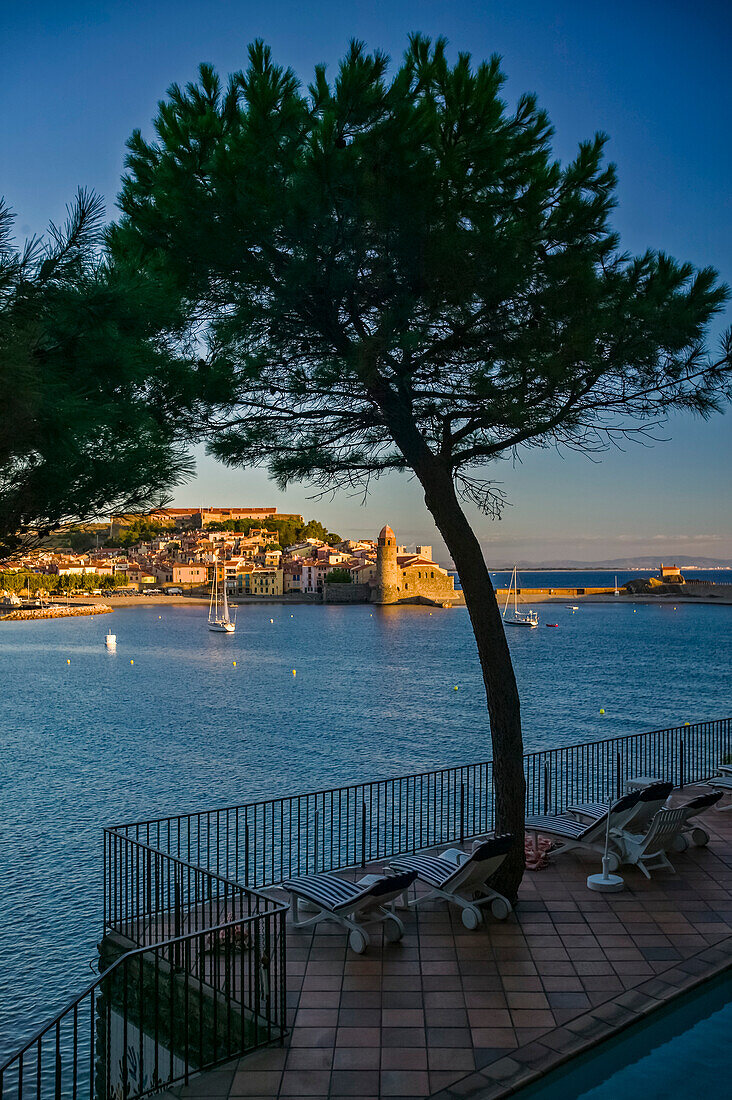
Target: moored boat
x: 518, y: 618
x: 219, y: 618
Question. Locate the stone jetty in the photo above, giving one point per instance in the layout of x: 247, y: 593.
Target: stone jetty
x: 56, y: 612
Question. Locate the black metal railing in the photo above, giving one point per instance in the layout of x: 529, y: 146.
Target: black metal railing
x: 203, y: 982
x: 262, y: 843
x: 150, y: 895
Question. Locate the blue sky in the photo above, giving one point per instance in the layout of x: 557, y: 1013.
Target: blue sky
x: 655, y: 75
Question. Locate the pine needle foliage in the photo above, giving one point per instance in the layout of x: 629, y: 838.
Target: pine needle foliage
x: 84, y: 431
x: 378, y: 250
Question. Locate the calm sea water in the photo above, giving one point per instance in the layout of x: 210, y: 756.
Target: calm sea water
x: 101, y: 739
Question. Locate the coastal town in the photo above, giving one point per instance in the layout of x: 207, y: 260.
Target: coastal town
x: 260, y: 555
x: 178, y: 551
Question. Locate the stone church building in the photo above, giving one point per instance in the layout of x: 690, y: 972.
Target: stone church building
x: 409, y: 578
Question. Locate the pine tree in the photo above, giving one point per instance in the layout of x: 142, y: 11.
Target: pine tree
x: 393, y: 272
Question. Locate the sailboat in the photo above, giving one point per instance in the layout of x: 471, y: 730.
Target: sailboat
x: 519, y: 618
x: 219, y: 618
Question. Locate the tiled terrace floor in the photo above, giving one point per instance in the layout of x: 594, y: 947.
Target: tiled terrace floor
x: 454, y: 1013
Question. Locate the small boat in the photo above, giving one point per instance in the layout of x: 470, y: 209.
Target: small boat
x: 111, y: 640
x: 572, y: 606
x: 551, y: 624
x: 519, y: 618
x: 219, y: 618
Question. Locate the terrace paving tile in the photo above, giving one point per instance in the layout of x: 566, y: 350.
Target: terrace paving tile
x: 404, y: 1058
x: 355, y: 1082
x: 397, y: 1082
x: 300, y: 1058
x: 357, y: 1058
x: 455, y: 1014
x: 358, y: 1037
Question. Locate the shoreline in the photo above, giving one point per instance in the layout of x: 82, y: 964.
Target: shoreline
x: 546, y: 597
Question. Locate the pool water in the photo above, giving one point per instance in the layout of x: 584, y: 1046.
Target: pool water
x: 680, y: 1050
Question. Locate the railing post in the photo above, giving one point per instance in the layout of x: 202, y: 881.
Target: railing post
x: 246, y: 853
x: 618, y: 788
x: 363, y: 834
x: 681, y: 762
x: 57, y: 1091
x: 547, y: 788
x: 315, y: 843
x: 462, y: 813
x: 177, y: 918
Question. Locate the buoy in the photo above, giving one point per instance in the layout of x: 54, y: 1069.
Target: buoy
x: 132, y: 662
x: 292, y: 616
x: 294, y: 672
x: 68, y: 662
x: 160, y: 616
x: 234, y: 663
x: 455, y: 688
x: 271, y: 620
x: 601, y: 710
x: 687, y: 723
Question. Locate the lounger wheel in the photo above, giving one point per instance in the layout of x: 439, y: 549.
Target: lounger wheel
x: 699, y: 836
x: 500, y: 908
x: 358, y: 940
x: 680, y: 843
x: 613, y: 862
x: 472, y: 916
x: 393, y: 929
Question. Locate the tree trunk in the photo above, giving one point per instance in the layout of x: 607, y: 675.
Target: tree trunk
x: 504, y: 708
x: 495, y: 660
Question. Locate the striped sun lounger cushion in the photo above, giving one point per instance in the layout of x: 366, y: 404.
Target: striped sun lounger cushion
x: 430, y: 869
x: 590, y: 809
x: 437, y: 872
x: 333, y: 893
x: 559, y: 826
x: 329, y: 891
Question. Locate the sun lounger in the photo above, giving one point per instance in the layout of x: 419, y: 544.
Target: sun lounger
x: 464, y: 881
x: 569, y: 833
x: 696, y: 834
x: 651, y: 799
x: 648, y: 850
x: 350, y: 904
x: 723, y: 784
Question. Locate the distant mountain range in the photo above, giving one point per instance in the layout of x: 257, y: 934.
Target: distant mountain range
x: 622, y: 563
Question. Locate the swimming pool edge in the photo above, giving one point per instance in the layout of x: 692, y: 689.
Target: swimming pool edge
x: 558, y: 1046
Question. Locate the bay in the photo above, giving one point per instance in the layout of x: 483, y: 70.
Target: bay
x: 168, y: 723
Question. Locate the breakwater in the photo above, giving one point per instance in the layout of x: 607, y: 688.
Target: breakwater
x: 55, y: 612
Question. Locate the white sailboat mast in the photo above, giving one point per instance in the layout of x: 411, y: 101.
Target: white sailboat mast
x: 508, y: 596
x: 226, y: 604
x: 213, y: 604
